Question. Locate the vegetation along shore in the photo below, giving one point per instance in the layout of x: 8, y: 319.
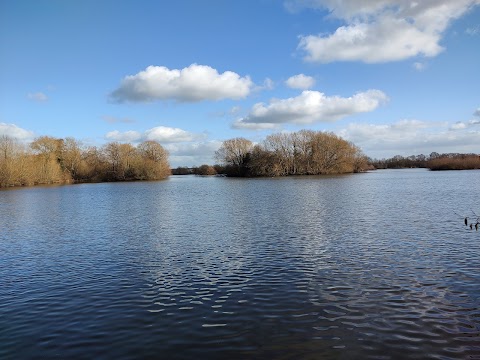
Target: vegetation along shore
x: 48, y: 160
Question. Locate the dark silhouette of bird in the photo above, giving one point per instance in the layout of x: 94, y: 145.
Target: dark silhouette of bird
x: 475, y: 220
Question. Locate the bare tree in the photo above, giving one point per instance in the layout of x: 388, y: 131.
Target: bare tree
x: 71, y: 156
x: 235, y: 153
x: 300, y: 153
x: 121, y: 158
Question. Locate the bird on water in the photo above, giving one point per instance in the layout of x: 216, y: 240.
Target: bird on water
x: 474, y: 223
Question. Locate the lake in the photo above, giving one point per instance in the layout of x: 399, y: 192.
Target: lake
x: 364, y: 266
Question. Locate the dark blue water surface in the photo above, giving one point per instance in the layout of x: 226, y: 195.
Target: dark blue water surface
x: 374, y: 265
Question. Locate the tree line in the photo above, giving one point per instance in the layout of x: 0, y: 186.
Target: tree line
x: 202, y: 170
x: 435, y: 161
x: 305, y: 152
x: 48, y: 160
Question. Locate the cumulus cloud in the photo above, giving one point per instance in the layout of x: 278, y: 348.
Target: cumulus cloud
x: 185, y: 148
x: 477, y: 112
x: 38, y: 96
x: 191, y: 84
x: 412, y: 137
x: 162, y: 134
x: 378, y: 31
x: 192, y: 154
x: 310, y: 107
x: 300, y: 81
x: 165, y: 134
x: 16, y: 132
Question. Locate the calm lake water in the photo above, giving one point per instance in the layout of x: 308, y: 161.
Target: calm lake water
x: 373, y: 265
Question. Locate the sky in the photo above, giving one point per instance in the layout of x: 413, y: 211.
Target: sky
x: 395, y: 77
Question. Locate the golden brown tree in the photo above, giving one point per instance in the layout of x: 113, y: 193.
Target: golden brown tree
x: 153, y: 161
x: 46, y: 165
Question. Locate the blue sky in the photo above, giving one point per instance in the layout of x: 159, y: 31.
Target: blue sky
x: 392, y: 76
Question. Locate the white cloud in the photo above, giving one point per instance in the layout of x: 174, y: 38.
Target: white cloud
x: 477, y: 112
x: 460, y: 125
x: 381, y: 30
x: 192, y: 154
x: 412, y: 137
x: 419, y: 66
x: 310, y: 107
x: 388, y: 39
x: 165, y: 134
x: 185, y: 148
x: 16, y: 132
x: 191, y: 84
x: 126, y: 136
x: 162, y: 134
x: 242, y: 125
x: 300, y: 81
x: 116, y: 120
x: 268, y: 84
x: 38, y: 96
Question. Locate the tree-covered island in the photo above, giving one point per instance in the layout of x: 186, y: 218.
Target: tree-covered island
x: 305, y: 152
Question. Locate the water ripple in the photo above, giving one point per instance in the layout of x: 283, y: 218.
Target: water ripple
x: 329, y: 267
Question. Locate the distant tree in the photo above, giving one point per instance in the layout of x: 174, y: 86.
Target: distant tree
x: 93, y: 166
x: 434, y: 155
x: 71, y: 157
x: 235, y: 154
x: 262, y: 162
x: 329, y: 153
x: 13, y: 162
x: 52, y: 160
x: 281, y: 147
x: 153, y: 161
x: 454, y: 162
x: 121, y: 159
x: 7, y: 147
x: 46, y: 167
x: 205, y: 170
x: 219, y: 169
x: 181, y: 170
x: 302, y: 153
